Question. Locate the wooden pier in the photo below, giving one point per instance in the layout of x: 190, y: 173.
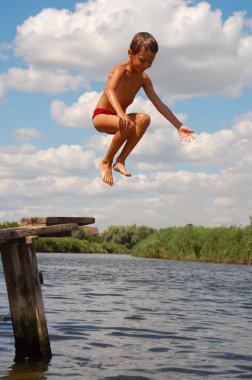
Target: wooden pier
x: 17, y: 247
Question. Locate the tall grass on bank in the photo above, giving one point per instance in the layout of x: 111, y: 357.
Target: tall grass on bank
x: 74, y: 245
x: 210, y: 244
x: 221, y: 244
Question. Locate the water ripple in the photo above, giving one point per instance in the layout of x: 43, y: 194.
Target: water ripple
x: 123, y: 318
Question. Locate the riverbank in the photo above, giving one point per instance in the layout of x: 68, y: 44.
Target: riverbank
x: 76, y: 245
x: 218, y: 245
x: 195, y: 243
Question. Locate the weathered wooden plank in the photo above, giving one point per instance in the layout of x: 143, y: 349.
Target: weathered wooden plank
x: 31, y: 239
x: 25, y: 299
x: 23, y: 280
x: 20, y: 232
x: 52, y: 220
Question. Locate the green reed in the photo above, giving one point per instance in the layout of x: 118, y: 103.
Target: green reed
x: 221, y: 244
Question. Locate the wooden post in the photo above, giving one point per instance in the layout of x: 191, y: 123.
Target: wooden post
x: 23, y: 280
x: 25, y: 299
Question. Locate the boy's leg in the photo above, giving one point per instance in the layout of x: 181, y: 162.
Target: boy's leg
x: 142, y: 121
x: 112, y: 125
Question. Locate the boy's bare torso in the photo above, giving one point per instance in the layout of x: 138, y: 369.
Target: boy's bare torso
x: 128, y: 83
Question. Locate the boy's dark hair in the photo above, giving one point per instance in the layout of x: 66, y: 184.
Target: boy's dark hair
x: 145, y: 40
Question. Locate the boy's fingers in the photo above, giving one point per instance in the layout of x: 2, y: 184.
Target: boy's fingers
x: 127, y: 121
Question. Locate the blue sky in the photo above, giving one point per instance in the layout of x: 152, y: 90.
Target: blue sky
x: 55, y: 57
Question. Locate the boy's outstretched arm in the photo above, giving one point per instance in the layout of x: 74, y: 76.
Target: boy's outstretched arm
x: 185, y: 133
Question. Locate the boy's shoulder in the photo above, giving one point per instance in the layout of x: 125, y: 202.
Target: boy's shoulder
x: 118, y: 70
x: 146, y: 78
x: 122, y: 66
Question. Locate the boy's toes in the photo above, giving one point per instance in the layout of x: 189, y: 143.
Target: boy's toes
x: 120, y: 168
x: 108, y: 180
x: 106, y: 174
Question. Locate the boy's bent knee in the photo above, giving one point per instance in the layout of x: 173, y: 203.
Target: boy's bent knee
x: 132, y: 125
x: 130, y: 128
x: 143, y: 119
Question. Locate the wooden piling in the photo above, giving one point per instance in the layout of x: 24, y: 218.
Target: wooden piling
x: 25, y: 299
x: 23, y: 281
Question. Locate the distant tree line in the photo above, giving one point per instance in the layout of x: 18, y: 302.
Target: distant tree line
x: 9, y: 224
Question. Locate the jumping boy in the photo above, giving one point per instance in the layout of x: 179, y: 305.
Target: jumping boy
x: 123, y: 83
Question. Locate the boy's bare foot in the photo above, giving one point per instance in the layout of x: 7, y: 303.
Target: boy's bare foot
x: 106, y: 172
x: 120, y: 167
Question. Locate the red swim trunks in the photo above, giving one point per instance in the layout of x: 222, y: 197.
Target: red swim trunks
x: 102, y: 111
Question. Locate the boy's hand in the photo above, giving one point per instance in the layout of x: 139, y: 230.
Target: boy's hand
x: 126, y: 120
x: 185, y: 134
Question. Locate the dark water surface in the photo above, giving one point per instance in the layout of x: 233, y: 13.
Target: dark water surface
x: 119, y: 317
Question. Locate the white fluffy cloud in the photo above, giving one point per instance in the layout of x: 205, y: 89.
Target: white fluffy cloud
x: 26, y: 163
x: 26, y: 134
x: 159, y: 199
x: 77, y: 115
x: 161, y: 144
x: 40, y: 80
x: 65, y: 181
x: 200, y: 53
x: 243, y: 126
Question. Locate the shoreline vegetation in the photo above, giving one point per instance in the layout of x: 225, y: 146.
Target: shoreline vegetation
x: 194, y: 243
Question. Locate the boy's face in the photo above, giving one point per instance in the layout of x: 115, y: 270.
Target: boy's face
x: 142, y: 60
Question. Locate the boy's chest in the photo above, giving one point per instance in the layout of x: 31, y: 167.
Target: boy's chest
x: 130, y: 84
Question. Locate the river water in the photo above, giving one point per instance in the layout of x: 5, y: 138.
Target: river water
x: 119, y: 317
